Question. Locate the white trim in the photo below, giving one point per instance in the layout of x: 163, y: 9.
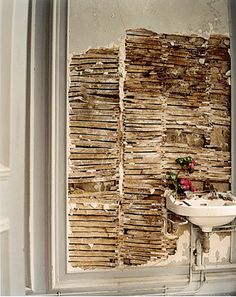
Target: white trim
x: 5, y: 288
x: 53, y: 150
x: 31, y: 143
x: 232, y: 29
x: 37, y: 124
x: 57, y: 144
x: 6, y: 74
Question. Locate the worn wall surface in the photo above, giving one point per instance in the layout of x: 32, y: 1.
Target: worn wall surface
x: 94, y: 23
x: 196, y: 103
x: 132, y: 112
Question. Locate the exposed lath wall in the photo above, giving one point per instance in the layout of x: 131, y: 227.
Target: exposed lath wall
x: 94, y: 156
x: 131, y: 113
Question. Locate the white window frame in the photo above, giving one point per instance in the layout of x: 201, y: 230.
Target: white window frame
x: 47, y: 187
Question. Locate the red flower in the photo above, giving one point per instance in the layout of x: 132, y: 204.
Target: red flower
x: 185, y: 183
x: 182, y: 184
x: 191, y: 165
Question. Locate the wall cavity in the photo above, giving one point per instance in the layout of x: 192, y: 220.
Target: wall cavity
x: 132, y: 111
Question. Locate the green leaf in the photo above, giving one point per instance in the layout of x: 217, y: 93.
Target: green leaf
x: 188, y: 159
x: 173, y: 176
x: 180, y: 161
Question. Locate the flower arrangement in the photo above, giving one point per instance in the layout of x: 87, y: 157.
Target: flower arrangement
x: 179, y: 184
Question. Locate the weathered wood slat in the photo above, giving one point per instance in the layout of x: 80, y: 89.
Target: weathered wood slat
x: 94, y: 212
x: 93, y: 103
x: 90, y: 259
x: 87, y: 142
x: 109, y: 224
x: 92, y: 248
x: 94, y: 229
x: 94, y: 118
x: 93, y: 131
x: 92, y: 253
x: 92, y: 265
x: 92, y: 234
x: 97, y: 125
x: 95, y: 206
x: 107, y: 241
x: 93, y: 179
x: 89, y: 150
x: 107, y: 155
x: 89, y: 218
x: 92, y: 162
x: 91, y: 136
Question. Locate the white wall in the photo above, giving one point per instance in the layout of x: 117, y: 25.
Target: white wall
x: 95, y: 23
x: 12, y: 189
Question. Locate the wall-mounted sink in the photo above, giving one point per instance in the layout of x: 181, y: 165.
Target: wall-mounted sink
x: 202, y: 211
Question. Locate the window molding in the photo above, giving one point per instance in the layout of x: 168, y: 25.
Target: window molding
x: 57, y: 124
x: 4, y: 257
x: 232, y: 29
x: 36, y: 161
x: 6, y: 70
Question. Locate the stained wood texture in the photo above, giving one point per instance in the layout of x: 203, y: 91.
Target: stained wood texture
x: 175, y: 101
x: 94, y: 157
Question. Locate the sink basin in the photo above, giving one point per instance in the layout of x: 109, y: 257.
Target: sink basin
x: 202, y: 211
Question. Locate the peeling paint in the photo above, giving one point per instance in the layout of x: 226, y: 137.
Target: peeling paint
x: 202, y: 61
x: 181, y: 255
x: 219, y: 249
x: 72, y: 205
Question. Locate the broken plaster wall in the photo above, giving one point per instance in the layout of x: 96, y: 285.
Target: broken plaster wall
x: 214, y: 19
x: 132, y: 112
x: 95, y: 23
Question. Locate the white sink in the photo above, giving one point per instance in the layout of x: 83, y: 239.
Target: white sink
x: 202, y: 211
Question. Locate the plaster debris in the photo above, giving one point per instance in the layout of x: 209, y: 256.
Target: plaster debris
x: 202, y: 61
x: 106, y: 207
x: 152, y: 191
x: 72, y: 205
x: 94, y: 205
